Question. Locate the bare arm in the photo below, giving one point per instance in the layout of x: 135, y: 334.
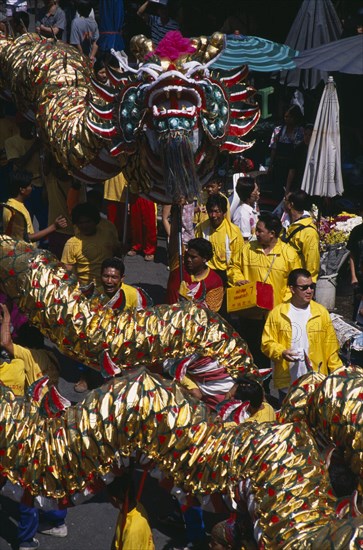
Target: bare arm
x: 141, y: 11
x: 353, y: 275
x: 49, y: 30
x: 59, y: 223
x: 94, y: 50
x: 165, y: 218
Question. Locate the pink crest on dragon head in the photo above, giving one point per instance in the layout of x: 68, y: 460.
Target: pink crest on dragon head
x: 173, y: 45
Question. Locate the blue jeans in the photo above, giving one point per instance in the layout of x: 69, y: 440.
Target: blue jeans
x: 29, y: 521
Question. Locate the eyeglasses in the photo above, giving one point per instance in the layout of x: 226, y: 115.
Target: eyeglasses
x: 305, y: 287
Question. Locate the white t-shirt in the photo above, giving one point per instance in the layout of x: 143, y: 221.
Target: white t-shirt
x: 299, y: 340
x: 245, y: 217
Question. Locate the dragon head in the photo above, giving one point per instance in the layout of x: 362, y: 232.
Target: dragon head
x: 173, y: 114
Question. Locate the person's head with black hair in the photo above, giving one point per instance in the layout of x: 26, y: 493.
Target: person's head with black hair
x: 213, y: 186
x: 115, y: 263
x: 217, y: 200
x: 294, y: 117
x: 268, y: 229
x: 84, y: 8
x: 216, y: 208
x: 308, y: 132
x: 86, y: 217
x: 112, y: 275
x: 30, y: 337
x: 202, y: 246
x: 247, y: 190
x: 343, y: 480
x: 99, y: 70
x: 249, y: 390
x: 302, y: 287
x: 20, y: 184
x: 95, y: 197
x: 297, y: 201
x: 199, y: 251
x: 295, y: 274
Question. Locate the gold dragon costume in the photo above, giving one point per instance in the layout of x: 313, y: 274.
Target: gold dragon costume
x: 162, y: 123
x: 172, y: 112
x: 106, y: 339
x: 275, y: 467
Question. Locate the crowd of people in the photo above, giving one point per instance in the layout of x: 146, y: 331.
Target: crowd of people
x: 227, y: 241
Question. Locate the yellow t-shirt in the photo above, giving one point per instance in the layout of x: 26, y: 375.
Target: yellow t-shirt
x: 16, y: 227
x: 265, y: 413
x: 16, y: 147
x: 38, y: 363
x: 13, y: 375
x: 137, y: 534
x: 115, y: 188
x: 57, y: 192
x: 86, y: 253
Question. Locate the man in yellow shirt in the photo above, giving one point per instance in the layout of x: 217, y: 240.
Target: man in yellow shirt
x: 17, y: 222
x: 302, y: 233
x: 267, y: 260
x: 226, y: 239
x: 119, y: 295
x: 299, y: 328
x: 85, y: 252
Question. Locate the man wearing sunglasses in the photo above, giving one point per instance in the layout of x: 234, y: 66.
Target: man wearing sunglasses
x: 298, y: 329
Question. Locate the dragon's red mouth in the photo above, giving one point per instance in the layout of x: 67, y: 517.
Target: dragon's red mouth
x: 173, y: 99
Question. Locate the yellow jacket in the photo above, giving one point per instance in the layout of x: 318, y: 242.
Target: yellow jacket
x: 323, y: 343
x: 227, y: 242
x: 306, y: 243
x: 256, y: 265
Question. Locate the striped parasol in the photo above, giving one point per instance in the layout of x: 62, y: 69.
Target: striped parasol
x: 259, y: 54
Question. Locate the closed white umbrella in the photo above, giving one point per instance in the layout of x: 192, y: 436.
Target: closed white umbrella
x: 323, y: 174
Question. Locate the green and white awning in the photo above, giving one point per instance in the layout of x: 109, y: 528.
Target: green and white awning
x: 259, y: 54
